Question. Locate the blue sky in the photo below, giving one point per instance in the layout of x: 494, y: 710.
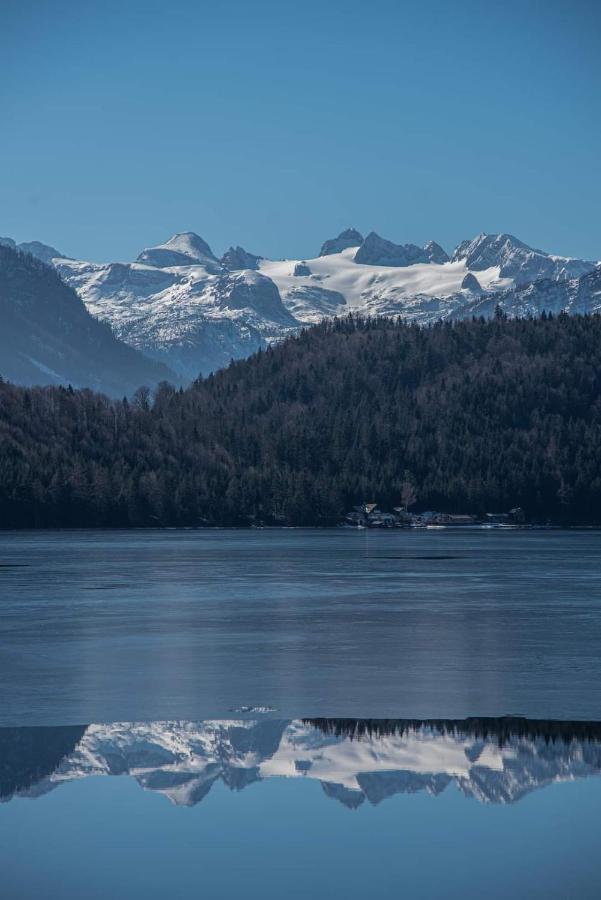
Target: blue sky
x: 275, y: 125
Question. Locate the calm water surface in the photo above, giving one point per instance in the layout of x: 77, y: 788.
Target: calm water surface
x: 272, y: 808
x: 166, y: 640
x: 106, y: 626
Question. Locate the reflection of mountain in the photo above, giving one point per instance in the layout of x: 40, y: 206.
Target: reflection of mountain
x: 30, y: 755
x: 493, y: 760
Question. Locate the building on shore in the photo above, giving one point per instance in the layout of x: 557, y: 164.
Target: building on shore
x: 368, y: 515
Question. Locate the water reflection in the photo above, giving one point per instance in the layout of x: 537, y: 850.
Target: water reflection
x: 355, y: 761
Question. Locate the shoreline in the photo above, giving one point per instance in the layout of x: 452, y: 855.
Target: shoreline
x: 336, y: 528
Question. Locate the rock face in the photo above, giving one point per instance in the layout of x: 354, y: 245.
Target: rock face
x: 578, y: 295
x: 471, y: 283
x: 516, y: 260
x: 376, y: 251
x: 435, y: 253
x: 185, y: 249
x: 301, y: 268
x: 205, y: 345
x: 349, y: 238
x: 253, y: 291
x: 238, y: 258
x: 49, y: 337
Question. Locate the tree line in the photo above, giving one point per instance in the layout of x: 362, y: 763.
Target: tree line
x: 473, y: 416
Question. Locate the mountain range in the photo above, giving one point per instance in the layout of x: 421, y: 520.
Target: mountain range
x: 500, y: 762
x: 182, y: 306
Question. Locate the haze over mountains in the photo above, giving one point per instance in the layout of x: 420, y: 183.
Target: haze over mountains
x: 181, y: 305
x: 49, y: 337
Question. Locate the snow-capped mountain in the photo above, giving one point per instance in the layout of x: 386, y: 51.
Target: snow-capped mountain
x: 348, y: 238
x: 186, y: 249
x: 577, y: 295
x: 516, y: 260
x: 195, y: 317
x: 375, y: 251
x: 421, y: 291
x: 182, y: 760
x: 421, y: 284
x: 182, y: 305
x: 236, y: 258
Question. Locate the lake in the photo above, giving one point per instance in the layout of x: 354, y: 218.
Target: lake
x: 105, y: 626
x: 300, y: 713
x: 301, y: 808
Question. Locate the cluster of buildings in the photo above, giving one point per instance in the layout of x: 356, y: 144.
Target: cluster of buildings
x: 367, y: 515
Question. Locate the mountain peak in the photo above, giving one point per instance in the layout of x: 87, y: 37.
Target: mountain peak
x: 44, y: 252
x: 488, y: 245
x: 516, y: 259
x: 377, y: 251
x: 350, y: 237
x: 189, y: 242
x: 236, y: 258
x: 435, y: 252
x: 183, y: 249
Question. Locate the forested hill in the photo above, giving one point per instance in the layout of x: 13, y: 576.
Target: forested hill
x: 467, y: 417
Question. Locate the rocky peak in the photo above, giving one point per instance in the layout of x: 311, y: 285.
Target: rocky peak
x: 517, y: 260
x: 471, y: 283
x: 376, y: 251
x: 348, y: 238
x: 238, y: 258
x: 435, y: 253
x: 486, y: 250
x: 42, y: 251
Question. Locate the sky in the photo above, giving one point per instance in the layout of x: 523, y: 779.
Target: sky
x: 275, y: 125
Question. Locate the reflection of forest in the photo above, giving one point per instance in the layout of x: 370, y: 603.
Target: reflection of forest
x: 502, y: 728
